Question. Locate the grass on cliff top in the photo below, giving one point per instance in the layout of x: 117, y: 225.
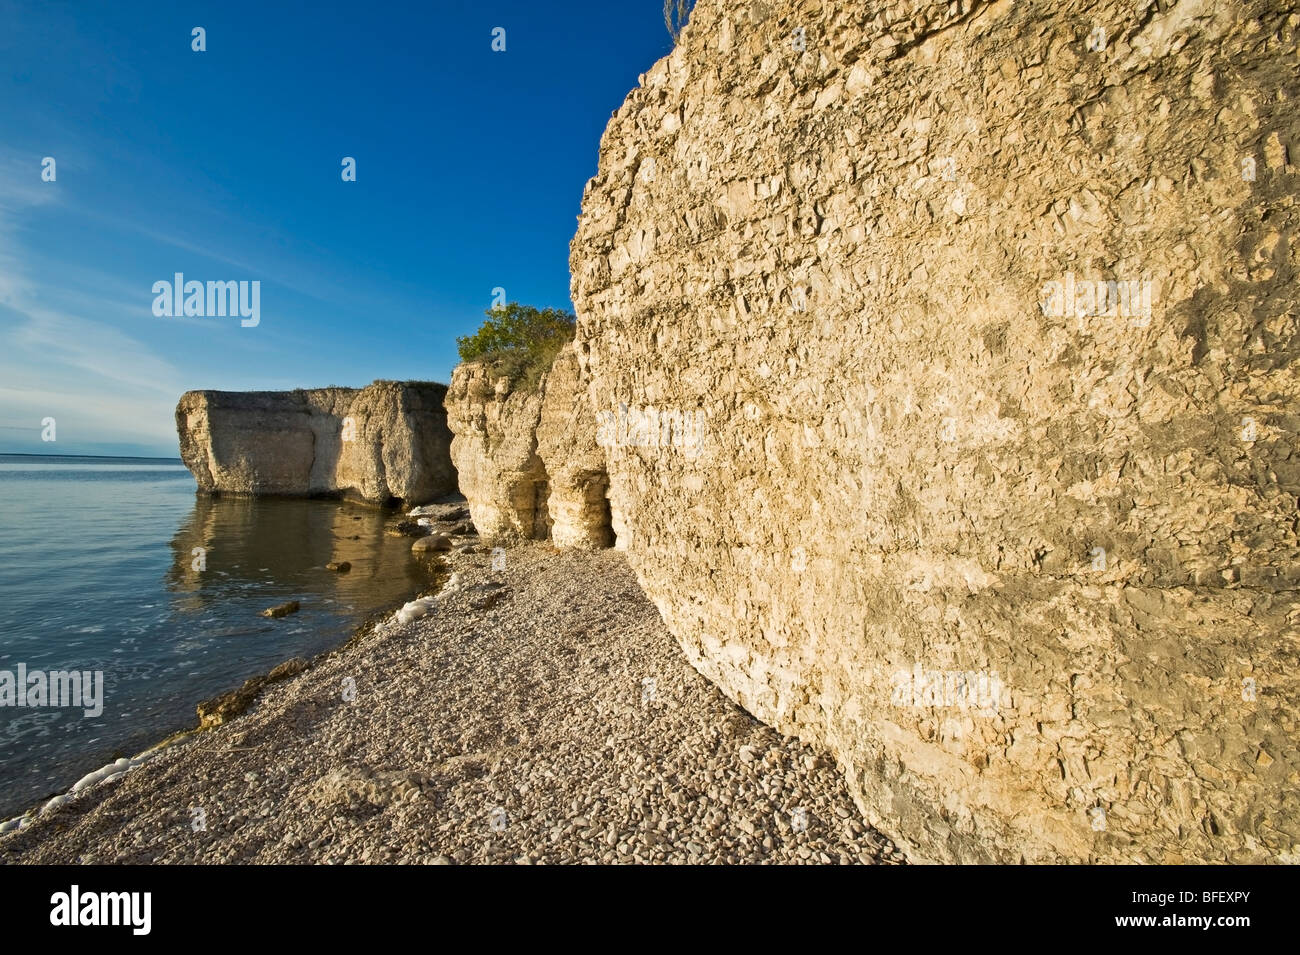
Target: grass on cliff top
x: 519, y: 342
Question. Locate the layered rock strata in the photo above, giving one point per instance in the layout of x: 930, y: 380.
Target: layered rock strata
x: 989, y: 312
x: 386, y: 441
x: 528, y: 460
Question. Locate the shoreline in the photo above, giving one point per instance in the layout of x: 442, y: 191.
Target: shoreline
x: 550, y: 692
x: 437, y: 579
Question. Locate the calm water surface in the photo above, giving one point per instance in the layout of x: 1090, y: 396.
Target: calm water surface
x: 98, y: 571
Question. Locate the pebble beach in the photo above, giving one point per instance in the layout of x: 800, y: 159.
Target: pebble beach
x: 539, y: 713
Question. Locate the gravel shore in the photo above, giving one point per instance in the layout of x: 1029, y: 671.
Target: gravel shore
x: 540, y: 714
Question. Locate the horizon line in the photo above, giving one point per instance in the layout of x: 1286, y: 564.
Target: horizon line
x: 132, y: 457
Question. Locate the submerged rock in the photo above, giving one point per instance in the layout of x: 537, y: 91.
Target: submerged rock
x: 282, y: 610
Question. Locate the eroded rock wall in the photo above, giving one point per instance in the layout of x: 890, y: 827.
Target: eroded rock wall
x: 387, y: 440
x: 1018, y: 545
x: 494, y: 447
x: 578, y: 500
x: 528, y: 461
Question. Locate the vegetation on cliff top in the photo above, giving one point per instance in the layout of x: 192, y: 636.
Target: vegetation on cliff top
x: 519, y: 341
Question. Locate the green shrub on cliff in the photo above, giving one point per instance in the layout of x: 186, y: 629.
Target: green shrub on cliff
x: 519, y: 341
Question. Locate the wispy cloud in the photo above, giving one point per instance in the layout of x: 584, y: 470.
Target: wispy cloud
x: 20, y: 191
x: 61, y: 361
x: 96, y: 349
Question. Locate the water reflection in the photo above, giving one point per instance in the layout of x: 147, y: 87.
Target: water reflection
x: 241, y: 549
x: 166, y: 626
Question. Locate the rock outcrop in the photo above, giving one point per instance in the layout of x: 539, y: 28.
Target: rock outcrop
x: 989, y: 312
x: 494, y: 448
x: 528, y: 461
x: 578, y: 500
x: 386, y: 441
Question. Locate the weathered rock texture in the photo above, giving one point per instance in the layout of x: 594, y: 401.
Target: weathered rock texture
x: 1030, y: 573
x: 387, y: 440
x: 528, y: 461
x: 494, y: 447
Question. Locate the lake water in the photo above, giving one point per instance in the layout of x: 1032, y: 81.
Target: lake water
x: 98, y: 571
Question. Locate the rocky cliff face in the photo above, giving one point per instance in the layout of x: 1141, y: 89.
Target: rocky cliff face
x: 528, y: 462
x: 494, y: 447
x: 387, y: 440
x: 974, y: 327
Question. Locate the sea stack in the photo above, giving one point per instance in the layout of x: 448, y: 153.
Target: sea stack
x: 383, y: 443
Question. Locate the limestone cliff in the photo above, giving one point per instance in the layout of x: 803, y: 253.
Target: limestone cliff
x: 385, y: 441
x: 578, y: 499
x: 989, y: 314
x: 528, y: 461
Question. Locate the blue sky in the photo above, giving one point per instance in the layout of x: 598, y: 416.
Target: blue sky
x: 225, y: 165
